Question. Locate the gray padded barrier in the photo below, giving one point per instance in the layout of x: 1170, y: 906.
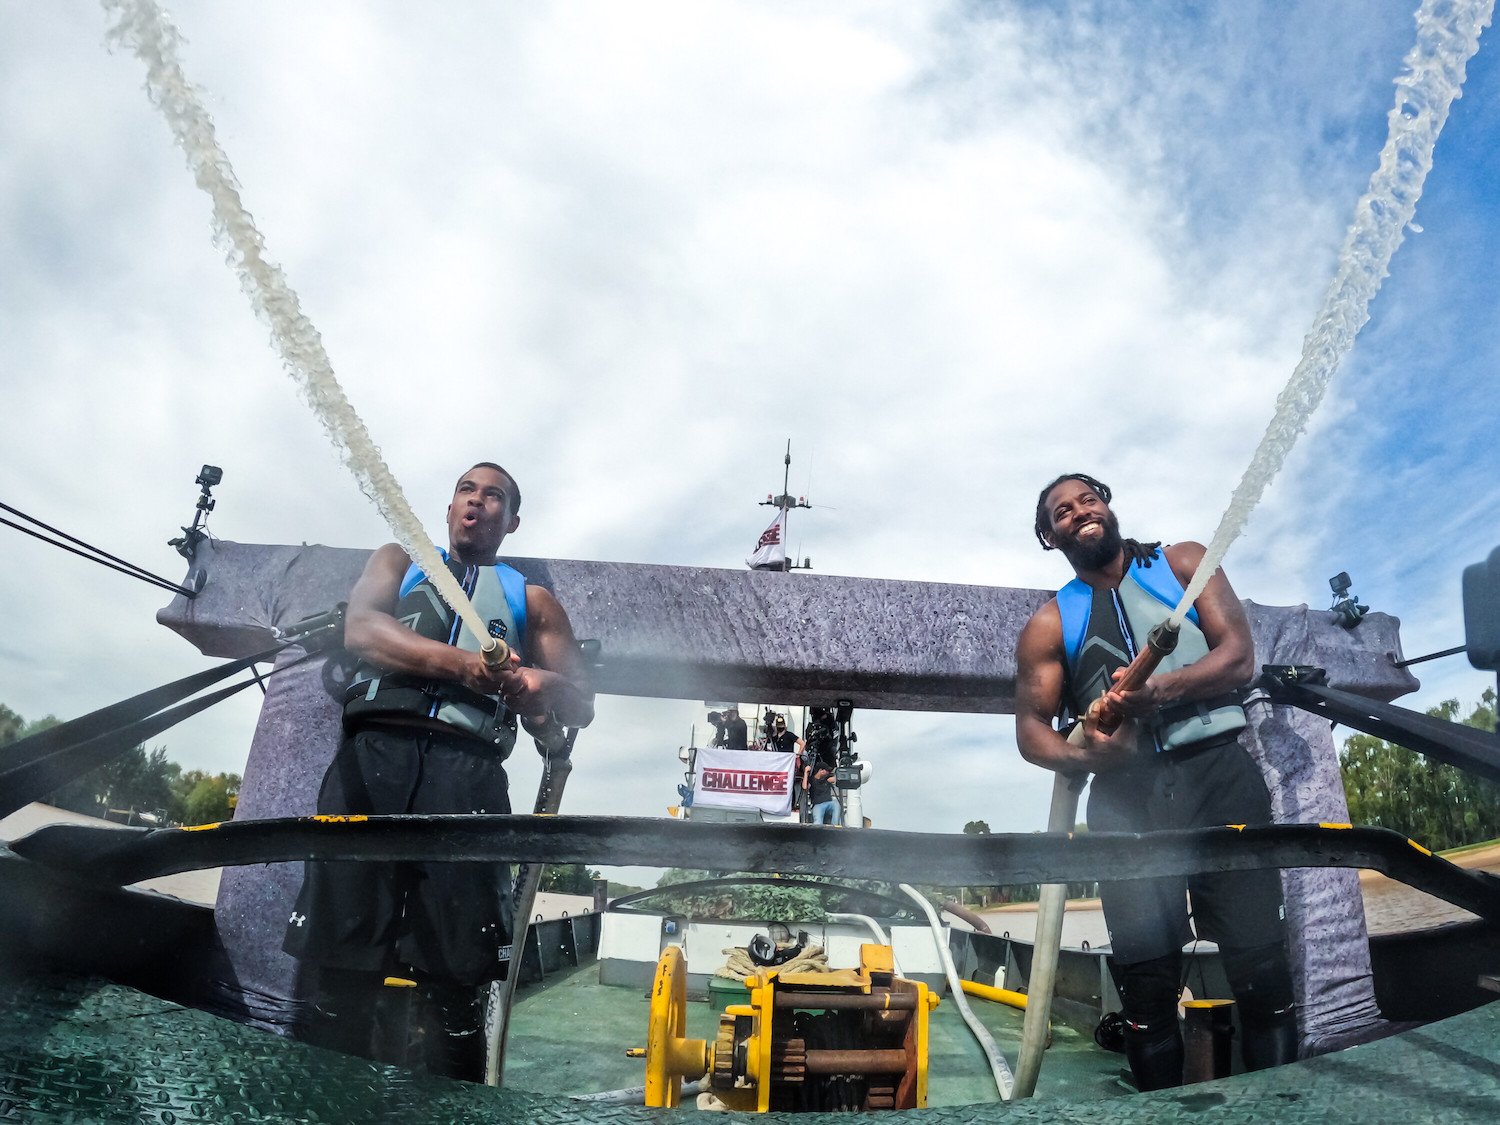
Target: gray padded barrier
x: 701, y: 633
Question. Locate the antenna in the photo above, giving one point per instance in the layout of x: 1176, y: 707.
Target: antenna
x: 786, y: 503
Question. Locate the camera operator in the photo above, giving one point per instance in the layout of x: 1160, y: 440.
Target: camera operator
x: 736, y: 731
x: 717, y: 721
x: 818, y: 756
x: 819, y: 738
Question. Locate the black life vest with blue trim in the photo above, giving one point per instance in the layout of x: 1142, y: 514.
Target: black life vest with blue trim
x: 1104, y: 629
x: 498, y: 594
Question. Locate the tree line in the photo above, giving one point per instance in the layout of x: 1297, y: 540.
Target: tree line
x: 1439, y: 806
x: 139, y: 784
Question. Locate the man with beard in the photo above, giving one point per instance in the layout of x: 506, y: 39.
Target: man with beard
x: 395, y: 958
x: 1175, y: 763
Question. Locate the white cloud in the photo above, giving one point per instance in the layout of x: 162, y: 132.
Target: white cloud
x: 629, y: 250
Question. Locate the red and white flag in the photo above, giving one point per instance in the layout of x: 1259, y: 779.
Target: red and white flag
x: 770, y: 552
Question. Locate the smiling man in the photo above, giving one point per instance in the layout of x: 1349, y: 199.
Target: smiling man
x: 1176, y: 763
x: 428, y: 725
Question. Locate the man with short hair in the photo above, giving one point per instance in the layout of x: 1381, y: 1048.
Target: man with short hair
x: 1176, y: 763
x: 736, y: 730
x: 396, y: 957
x: 822, y: 795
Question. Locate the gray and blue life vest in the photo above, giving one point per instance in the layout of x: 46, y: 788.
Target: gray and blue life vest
x: 498, y: 594
x: 1104, y: 629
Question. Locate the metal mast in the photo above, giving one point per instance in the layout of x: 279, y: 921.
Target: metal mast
x: 786, y: 503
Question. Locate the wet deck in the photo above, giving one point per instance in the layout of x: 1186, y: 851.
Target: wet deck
x: 84, y: 1051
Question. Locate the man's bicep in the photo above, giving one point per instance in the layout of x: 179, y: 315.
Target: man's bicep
x: 1221, y: 615
x: 550, y: 636
x: 1039, y: 670
x: 376, y: 589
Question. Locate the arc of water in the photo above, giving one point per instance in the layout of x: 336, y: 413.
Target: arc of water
x: 1432, y: 77
x: 147, y: 31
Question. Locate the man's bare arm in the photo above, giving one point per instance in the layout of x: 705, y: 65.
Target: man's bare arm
x: 557, y: 681
x: 1231, y: 653
x: 372, y: 631
x: 1039, y: 692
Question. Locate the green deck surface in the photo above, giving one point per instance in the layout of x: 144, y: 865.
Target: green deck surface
x: 85, y: 1051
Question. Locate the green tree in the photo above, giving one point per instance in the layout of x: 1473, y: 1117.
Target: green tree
x: 1439, y: 806
x: 11, y: 725
x: 769, y: 902
x: 136, y: 781
x: 568, y: 879
x: 209, y: 797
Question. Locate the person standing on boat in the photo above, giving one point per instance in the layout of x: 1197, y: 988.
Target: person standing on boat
x: 822, y: 796
x: 780, y: 740
x: 395, y: 958
x: 736, y: 730
x: 817, y: 746
x: 716, y: 720
x: 1176, y: 763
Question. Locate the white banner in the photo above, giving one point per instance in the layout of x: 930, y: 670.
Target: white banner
x: 770, y: 552
x: 744, y: 779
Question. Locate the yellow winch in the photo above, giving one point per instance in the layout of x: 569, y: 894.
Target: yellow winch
x: 846, y: 1040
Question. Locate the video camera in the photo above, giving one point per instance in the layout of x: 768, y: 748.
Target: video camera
x: 847, y: 773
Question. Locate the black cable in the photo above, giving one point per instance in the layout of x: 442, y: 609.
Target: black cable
x: 40, y: 763
x: 97, y: 555
x: 1454, y: 651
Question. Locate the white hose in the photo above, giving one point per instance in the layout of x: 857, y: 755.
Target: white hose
x: 636, y: 1095
x: 875, y: 930
x: 998, y: 1066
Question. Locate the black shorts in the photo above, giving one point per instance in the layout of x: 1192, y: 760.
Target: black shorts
x: 449, y: 921
x: 1180, y: 789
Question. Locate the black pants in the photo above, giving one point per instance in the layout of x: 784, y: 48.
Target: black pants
x: 444, y: 926
x: 1240, y: 911
x: 447, y: 921
x: 436, y: 1027
x: 1189, y: 788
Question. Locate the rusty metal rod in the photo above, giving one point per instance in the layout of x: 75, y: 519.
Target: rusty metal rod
x: 887, y: 1061
x: 847, y: 1001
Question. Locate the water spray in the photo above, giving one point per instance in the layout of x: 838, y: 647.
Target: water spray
x: 146, y: 30
x: 1432, y: 76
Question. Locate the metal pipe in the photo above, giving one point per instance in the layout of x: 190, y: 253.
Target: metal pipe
x: 1160, y: 642
x: 874, y: 927
x: 558, y: 764
x: 845, y: 1001
x: 998, y: 995
x: 1054, y: 897
x: 880, y: 1061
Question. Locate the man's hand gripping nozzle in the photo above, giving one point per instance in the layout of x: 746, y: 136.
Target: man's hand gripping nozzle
x: 496, y: 653
x: 1160, y: 642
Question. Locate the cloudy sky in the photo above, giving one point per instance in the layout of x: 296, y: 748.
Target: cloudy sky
x: 948, y: 249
